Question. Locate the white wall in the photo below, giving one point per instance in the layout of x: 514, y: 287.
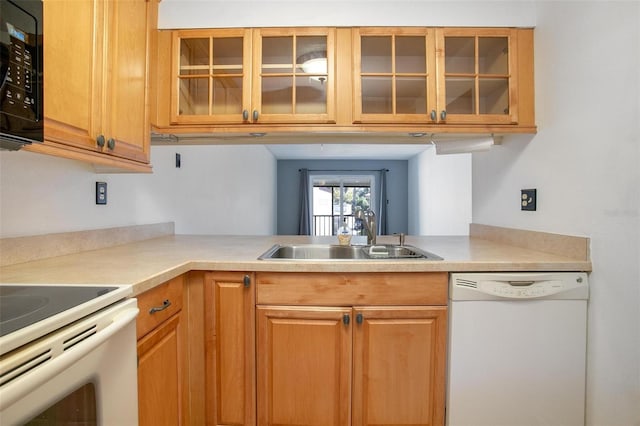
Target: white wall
x: 439, y: 194
x: 336, y: 13
x: 218, y: 190
x: 585, y: 163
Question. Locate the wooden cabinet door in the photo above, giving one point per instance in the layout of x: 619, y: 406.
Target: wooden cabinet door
x: 293, y: 76
x: 211, y: 76
x: 477, y: 76
x: 399, y: 365
x: 73, y: 33
x: 125, y: 116
x: 304, y: 365
x: 394, y: 73
x: 230, y: 348
x: 160, y: 393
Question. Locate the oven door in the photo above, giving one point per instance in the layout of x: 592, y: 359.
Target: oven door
x: 85, y: 373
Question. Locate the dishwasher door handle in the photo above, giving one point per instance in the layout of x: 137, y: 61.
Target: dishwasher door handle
x: 521, y: 283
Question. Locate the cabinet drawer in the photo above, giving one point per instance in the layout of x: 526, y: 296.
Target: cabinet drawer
x: 159, y: 304
x: 352, y: 289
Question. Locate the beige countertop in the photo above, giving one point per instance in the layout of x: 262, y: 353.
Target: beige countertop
x: 147, y: 263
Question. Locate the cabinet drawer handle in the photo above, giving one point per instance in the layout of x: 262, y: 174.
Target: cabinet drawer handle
x: 443, y: 115
x: 255, y: 115
x: 100, y: 141
x: 111, y: 143
x: 434, y: 115
x: 359, y: 318
x: 247, y: 281
x: 245, y: 115
x: 164, y: 306
x: 346, y: 319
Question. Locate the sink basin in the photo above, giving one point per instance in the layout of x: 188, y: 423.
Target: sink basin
x: 337, y: 252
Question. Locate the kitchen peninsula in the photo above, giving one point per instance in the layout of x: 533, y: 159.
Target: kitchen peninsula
x: 208, y: 306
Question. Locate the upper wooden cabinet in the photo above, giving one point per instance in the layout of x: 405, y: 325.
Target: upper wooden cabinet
x: 444, y: 76
x: 241, y: 76
x: 389, y: 80
x: 477, y: 76
x: 96, y: 71
x: 394, y: 75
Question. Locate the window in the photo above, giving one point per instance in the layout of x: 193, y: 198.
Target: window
x: 335, y: 198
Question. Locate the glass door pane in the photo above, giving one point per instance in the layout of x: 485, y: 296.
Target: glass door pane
x: 494, y: 96
x: 460, y: 55
x: 493, y: 55
x: 461, y: 95
x: 194, y: 96
x: 411, y: 54
x: 277, y: 95
x: 394, y: 77
x: 227, y: 55
x: 311, y: 75
x: 294, y: 74
x: 277, y: 55
x: 376, y: 54
x: 194, y: 56
x: 411, y: 95
x: 477, y: 76
x: 193, y: 86
x: 377, y: 95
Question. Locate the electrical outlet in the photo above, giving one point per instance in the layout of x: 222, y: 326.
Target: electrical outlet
x: 101, y: 192
x: 528, y: 199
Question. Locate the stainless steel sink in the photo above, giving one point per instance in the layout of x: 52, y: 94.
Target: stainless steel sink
x: 337, y: 252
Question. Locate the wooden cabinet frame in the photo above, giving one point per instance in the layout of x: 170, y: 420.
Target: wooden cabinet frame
x: 230, y: 395
x: 91, y: 75
x: 344, y: 112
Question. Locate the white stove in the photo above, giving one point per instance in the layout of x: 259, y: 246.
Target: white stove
x: 67, y: 354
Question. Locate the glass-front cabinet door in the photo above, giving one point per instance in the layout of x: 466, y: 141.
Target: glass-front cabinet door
x: 394, y: 75
x: 293, y: 75
x: 476, y: 76
x: 212, y: 80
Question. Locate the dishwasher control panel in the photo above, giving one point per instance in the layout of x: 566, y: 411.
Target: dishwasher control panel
x: 489, y: 286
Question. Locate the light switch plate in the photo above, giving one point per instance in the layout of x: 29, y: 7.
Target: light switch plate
x: 101, y: 192
x: 528, y: 199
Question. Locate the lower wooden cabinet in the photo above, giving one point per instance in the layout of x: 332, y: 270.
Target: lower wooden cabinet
x: 351, y: 366
x: 161, y: 344
x: 304, y: 366
x: 351, y: 349
x: 270, y: 348
x: 230, y: 348
x: 399, y: 366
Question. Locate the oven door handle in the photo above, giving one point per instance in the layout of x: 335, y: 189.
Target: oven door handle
x: 23, y: 385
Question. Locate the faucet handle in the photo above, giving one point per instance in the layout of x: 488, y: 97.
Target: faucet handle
x: 401, y: 235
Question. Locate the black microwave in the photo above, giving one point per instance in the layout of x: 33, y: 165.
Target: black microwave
x: 21, y: 93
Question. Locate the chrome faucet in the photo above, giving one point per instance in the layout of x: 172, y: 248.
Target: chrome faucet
x: 368, y: 218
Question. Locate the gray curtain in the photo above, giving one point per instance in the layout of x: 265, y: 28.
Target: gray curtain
x: 304, y: 227
x: 381, y: 212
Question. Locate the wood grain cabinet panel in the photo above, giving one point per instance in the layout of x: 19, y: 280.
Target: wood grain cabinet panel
x: 378, y: 80
x: 96, y: 80
x: 351, y: 364
x: 159, y: 375
x: 230, y: 348
x: 163, y: 392
x: 399, y: 364
x: 304, y: 367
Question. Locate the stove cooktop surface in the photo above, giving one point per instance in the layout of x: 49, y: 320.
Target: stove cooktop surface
x: 29, y: 311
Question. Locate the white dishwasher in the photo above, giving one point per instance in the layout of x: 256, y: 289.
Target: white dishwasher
x: 517, y: 349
